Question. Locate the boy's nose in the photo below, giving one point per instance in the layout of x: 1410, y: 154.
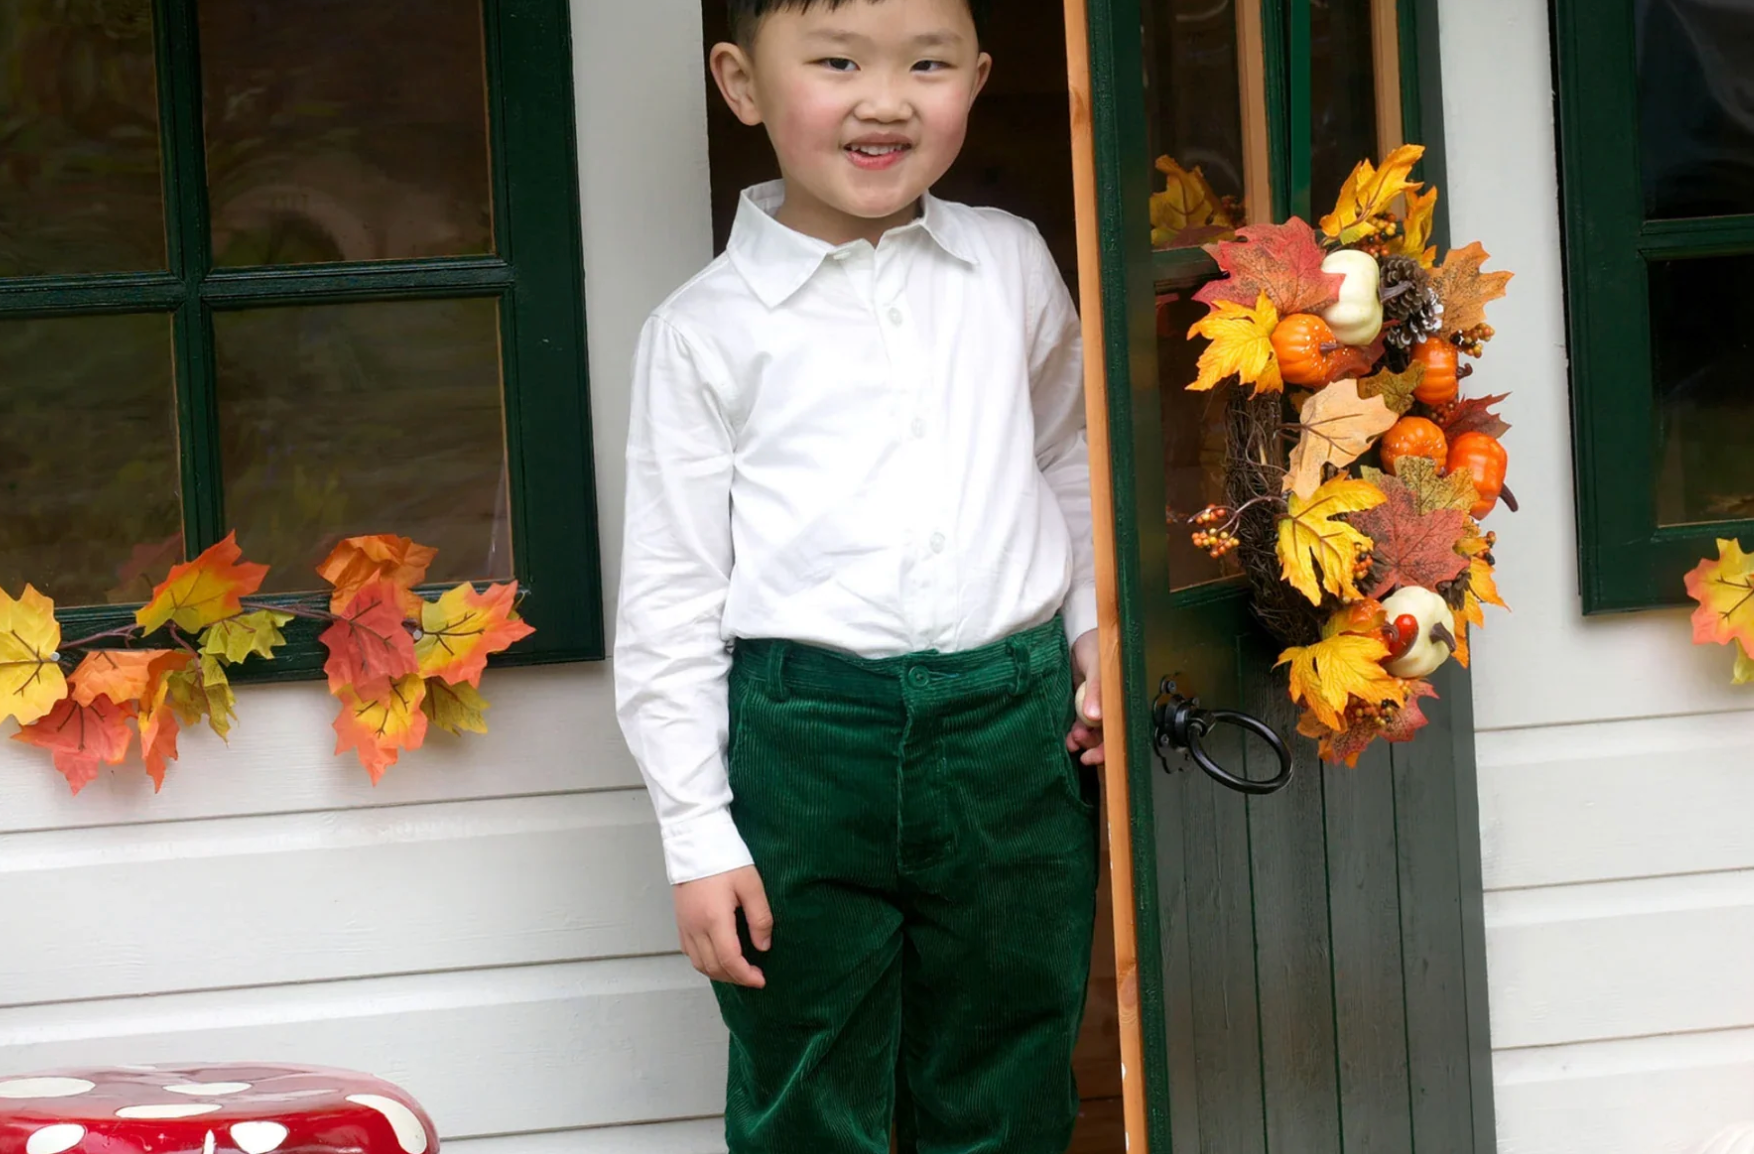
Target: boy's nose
x: 884, y: 102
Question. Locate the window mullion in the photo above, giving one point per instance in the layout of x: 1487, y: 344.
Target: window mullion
x: 185, y: 166
x: 1300, y: 106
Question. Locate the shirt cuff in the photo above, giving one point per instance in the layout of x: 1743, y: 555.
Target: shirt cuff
x: 703, y: 847
x: 1079, y: 612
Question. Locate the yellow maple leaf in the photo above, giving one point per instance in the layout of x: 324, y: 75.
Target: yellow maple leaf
x: 1744, y: 674
x: 1242, y: 346
x: 236, y: 638
x: 1421, y: 218
x: 1188, y: 201
x: 1724, y: 589
x: 454, y: 708
x: 1311, y: 539
x: 1338, y: 426
x: 31, y: 682
x: 1369, y: 192
x: 1326, y: 676
x: 197, y: 593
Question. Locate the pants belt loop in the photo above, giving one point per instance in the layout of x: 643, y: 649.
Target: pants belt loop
x: 1020, y: 666
x: 776, y: 671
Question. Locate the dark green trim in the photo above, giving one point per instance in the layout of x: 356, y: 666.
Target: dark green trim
x: 1422, y: 100
x: 537, y: 275
x: 1117, y: 68
x: 1277, y: 73
x: 1299, y: 108
x: 1626, y: 560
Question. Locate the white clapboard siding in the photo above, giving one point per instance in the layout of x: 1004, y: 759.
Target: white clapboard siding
x: 704, y: 1136
x: 115, y: 911
x: 1665, y: 1095
x: 1618, y: 800
x: 488, y: 1052
x: 552, y: 730
x: 1621, y: 959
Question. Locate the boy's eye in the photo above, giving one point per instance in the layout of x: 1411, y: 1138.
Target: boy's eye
x: 838, y: 64
x: 931, y: 66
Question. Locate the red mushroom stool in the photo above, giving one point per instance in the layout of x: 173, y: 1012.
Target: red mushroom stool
x: 231, y: 1109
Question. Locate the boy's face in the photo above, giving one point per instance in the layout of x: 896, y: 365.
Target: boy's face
x: 866, y: 104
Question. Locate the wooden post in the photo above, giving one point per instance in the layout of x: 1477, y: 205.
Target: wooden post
x: 1385, y: 50
x: 1115, y: 707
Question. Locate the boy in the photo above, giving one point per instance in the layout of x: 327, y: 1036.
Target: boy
x: 858, y: 568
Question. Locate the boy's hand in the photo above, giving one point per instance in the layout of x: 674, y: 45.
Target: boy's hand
x: 706, y: 919
x: 1086, y: 735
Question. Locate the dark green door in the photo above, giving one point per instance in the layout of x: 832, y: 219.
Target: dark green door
x: 1311, y: 963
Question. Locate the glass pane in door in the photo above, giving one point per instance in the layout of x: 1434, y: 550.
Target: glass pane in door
x: 346, y: 131
x: 1705, y: 399
x: 81, y: 190
x: 1696, y: 106
x: 1343, y: 94
x: 1194, y: 108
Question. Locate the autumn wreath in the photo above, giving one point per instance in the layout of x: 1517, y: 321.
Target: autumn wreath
x: 1356, y: 474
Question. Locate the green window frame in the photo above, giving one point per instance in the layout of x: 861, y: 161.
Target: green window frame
x: 536, y: 275
x: 1627, y: 558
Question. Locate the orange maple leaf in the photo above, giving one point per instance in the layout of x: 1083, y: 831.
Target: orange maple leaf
x: 1724, y: 589
x: 361, y: 561
x: 1346, y: 745
x: 369, y: 647
x: 158, y: 732
x: 123, y: 675
x: 378, y: 729
x: 197, y: 593
x: 81, y: 737
x: 1465, y: 290
x: 460, y: 630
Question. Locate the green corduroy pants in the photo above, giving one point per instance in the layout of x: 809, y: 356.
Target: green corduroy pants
x: 929, y: 850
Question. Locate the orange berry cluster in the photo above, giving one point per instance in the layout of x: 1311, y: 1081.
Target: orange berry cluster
x: 1216, y: 544
x: 1362, y: 566
x: 1473, y: 341
x: 1381, y: 715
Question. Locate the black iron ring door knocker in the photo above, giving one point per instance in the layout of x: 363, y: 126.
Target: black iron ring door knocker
x: 1179, y: 723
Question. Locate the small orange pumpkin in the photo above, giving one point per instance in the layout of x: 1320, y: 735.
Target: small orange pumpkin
x: 1414, y: 437
x: 1439, y: 385
x: 1484, y: 459
x: 1303, y: 343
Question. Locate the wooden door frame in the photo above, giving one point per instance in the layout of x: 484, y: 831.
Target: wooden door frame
x: 1106, y: 183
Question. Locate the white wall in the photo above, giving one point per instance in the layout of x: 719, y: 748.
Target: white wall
x: 1615, y: 778
x: 490, y: 927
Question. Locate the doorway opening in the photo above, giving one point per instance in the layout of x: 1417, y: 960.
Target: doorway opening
x: 1019, y: 158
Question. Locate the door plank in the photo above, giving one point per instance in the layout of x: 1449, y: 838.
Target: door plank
x: 1364, y: 913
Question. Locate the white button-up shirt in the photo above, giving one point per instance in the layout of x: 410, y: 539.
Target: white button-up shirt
x: 879, y: 450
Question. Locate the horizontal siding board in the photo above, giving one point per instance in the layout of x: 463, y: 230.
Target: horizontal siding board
x: 130, y: 910
x: 704, y: 1136
x: 1667, y: 1095
x: 496, y: 1052
x: 553, y: 731
x: 1621, y: 959
x: 1622, y: 800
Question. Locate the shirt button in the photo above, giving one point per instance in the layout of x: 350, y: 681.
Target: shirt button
x: 937, y: 542
x: 895, y: 316
x: 919, y: 426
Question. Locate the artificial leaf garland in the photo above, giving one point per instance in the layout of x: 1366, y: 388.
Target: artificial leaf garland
x: 1724, y: 589
x: 397, y: 661
x: 1369, y: 566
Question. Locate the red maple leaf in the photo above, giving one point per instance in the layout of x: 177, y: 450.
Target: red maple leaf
x: 81, y: 737
x: 1411, y: 548
x: 1282, y: 260
x: 1474, y: 415
x: 1406, y: 722
x: 369, y: 647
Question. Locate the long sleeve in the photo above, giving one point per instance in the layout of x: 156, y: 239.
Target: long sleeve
x: 671, y: 663
x: 1056, y: 377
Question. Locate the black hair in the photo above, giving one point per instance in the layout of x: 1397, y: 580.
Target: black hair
x: 746, y: 15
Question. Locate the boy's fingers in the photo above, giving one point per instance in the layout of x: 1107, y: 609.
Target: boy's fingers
x: 756, y: 911
x: 731, y: 961
x: 709, y: 959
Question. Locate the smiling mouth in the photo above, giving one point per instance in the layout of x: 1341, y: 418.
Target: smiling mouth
x: 878, y: 150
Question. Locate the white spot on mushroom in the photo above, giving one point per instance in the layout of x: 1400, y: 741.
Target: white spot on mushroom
x: 409, y: 1131
x: 208, y: 1089
x: 162, y: 1111
x: 258, y: 1137
x: 45, y: 1087
x: 55, y: 1139
x: 210, y: 1145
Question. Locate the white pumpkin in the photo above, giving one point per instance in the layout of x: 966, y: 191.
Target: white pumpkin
x: 1357, y: 317
x: 1431, y: 643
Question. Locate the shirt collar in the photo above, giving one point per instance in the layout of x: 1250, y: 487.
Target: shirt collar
x: 778, y: 261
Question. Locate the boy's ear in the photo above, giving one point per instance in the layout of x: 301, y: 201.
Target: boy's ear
x: 983, y: 72
x: 735, y: 76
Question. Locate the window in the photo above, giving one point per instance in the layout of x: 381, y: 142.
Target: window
x: 1657, y: 154
x: 299, y: 270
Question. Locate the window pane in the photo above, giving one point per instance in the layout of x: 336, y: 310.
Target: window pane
x: 80, y: 189
x: 88, y: 434
x: 1696, y: 106
x: 1705, y: 396
x: 1342, y: 95
x: 342, y: 131
x: 1194, y: 114
x: 1194, y: 441
x: 337, y: 420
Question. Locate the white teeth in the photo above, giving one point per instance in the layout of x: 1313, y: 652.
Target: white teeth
x: 877, y: 149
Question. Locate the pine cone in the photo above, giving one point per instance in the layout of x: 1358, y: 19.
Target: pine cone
x: 1398, y: 303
